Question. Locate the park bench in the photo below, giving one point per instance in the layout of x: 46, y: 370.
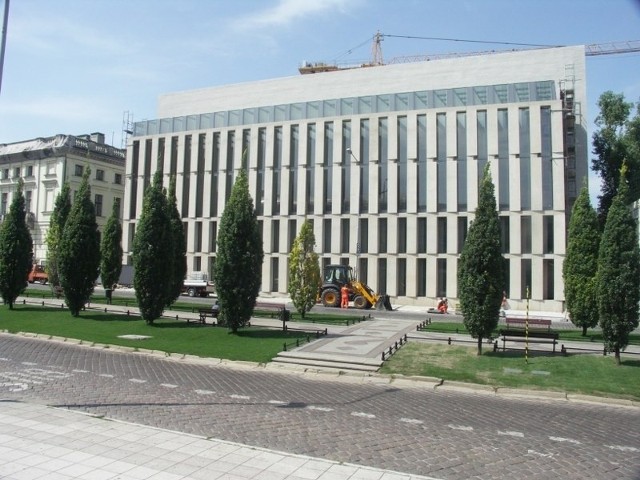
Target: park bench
x: 275, y: 310
x: 203, y: 314
x: 539, y: 330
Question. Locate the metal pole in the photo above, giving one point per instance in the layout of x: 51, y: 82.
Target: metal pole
x: 5, y: 21
x: 526, y: 331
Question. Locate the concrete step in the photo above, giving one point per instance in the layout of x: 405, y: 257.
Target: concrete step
x: 324, y: 361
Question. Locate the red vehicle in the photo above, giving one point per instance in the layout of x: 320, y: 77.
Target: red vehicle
x: 38, y: 274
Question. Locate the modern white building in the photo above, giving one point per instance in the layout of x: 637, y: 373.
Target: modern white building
x: 385, y: 161
x: 45, y: 164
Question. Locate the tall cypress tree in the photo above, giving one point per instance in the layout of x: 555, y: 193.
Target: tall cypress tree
x: 111, y: 249
x: 153, y: 252
x: 79, y: 252
x: 618, y: 274
x: 57, y: 221
x: 481, y: 267
x: 238, y: 273
x: 304, y: 270
x: 179, y: 246
x: 581, y: 263
x: 16, y: 250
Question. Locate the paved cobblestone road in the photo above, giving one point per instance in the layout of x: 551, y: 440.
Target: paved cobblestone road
x: 447, y: 435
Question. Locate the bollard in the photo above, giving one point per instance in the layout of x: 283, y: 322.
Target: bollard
x: 284, y: 346
x: 105, y: 309
x: 43, y: 303
x: 127, y: 313
x: 563, y: 350
x: 495, y: 346
x: 24, y: 302
x: 449, y: 341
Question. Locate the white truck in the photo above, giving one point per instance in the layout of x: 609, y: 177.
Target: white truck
x: 197, y: 284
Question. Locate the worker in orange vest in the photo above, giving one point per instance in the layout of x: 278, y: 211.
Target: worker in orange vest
x: 345, y: 297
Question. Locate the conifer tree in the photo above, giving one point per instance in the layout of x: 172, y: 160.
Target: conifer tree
x: 57, y: 221
x: 581, y: 263
x: 79, y: 250
x: 16, y: 250
x: 304, y: 270
x: 111, y: 249
x: 618, y: 273
x: 153, y: 252
x: 481, y: 267
x: 179, y: 246
x: 238, y: 273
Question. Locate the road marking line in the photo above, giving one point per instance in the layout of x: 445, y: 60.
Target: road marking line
x: 18, y: 387
x: 277, y: 402
x: 568, y: 440
x: 623, y: 448
x: 137, y: 380
x: 105, y: 375
x: 546, y: 455
x: 19, y: 377
x: 204, y: 392
x: 461, y: 427
x: 512, y: 434
x: 240, y: 397
x: 80, y: 371
x: 4, y: 359
x: 168, y: 385
x: 28, y: 363
x: 319, y: 409
x: 363, y: 415
x: 414, y: 421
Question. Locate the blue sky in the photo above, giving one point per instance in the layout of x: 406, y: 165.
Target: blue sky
x: 75, y: 66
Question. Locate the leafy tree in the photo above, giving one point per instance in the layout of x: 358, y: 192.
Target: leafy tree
x: 79, y: 250
x: 57, y: 221
x: 481, y: 267
x: 152, y: 252
x: 111, y: 249
x: 179, y: 246
x: 618, y: 274
x: 304, y: 270
x: 16, y: 250
x: 238, y: 272
x: 616, y: 141
x: 581, y: 263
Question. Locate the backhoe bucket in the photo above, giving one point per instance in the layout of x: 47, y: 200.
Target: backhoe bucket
x: 384, y: 303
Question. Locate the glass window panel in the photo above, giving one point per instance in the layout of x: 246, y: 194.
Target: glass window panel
x: 248, y: 116
x: 440, y: 98
x: 313, y: 109
x: 220, y: 119
x: 206, y: 120
x: 281, y: 112
x: 420, y: 100
x: 297, y: 111
x: 383, y: 103
x: 459, y: 97
x: 544, y: 91
x: 330, y: 108
x: 165, y: 125
x: 522, y: 92
x: 192, y: 122
x: 501, y: 93
x: 264, y: 114
x: 235, y: 117
x: 480, y: 95
x: 364, y: 105
x: 346, y: 106
x: 178, y: 124
x: 402, y: 102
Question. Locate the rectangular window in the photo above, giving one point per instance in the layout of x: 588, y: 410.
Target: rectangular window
x: 345, y: 178
x: 117, y: 202
x: 382, y: 275
x: 198, y: 237
x: 134, y: 182
x: 401, y: 277
x: 147, y: 163
x: 311, y: 167
x: 547, y: 234
x: 483, y: 149
x: 382, y: 235
x: 364, y: 167
x: 5, y: 174
x: 525, y: 278
x: 261, y: 170
x: 117, y: 178
x: 421, y: 277
x: 215, y: 175
x: 422, y: 235
x: 275, y: 236
x: 98, y: 204
x: 461, y: 157
x: 344, y: 235
x: 546, y: 158
x: 294, y: 142
x: 327, y: 167
x: 160, y: 157
x: 525, y: 159
x: 422, y: 163
x: 277, y: 172
x: 275, y: 274
x: 326, y: 235
x: 441, y: 277
x: 505, y: 235
x: 442, y: 235
x: 100, y: 175
x: 462, y: 232
x: 525, y: 234
x: 200, y: 169
x: 28, y: 196
x: 363, y: 240
x: 548, y: 283
x: 3, y: 205
x: 441, y: 160
x: 292, y: 234
x: 213, y: 236
x: 186, y: 178
x: 383, y: 164
x: 16, y: 172
x: 29, y: 170
x: 402, y: 235
x: 79, y: 170
x: 503, y: 159
x: 402, y: 165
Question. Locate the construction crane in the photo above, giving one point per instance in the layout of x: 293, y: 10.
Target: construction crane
x: 591, y: 50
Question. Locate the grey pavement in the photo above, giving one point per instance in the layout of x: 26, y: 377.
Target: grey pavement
x: 44, y: 442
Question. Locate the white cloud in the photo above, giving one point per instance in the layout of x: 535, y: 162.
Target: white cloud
x: 285, y: 12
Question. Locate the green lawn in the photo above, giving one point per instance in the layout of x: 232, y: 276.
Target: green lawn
x: 578, y: 373
x: 250, y: 344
